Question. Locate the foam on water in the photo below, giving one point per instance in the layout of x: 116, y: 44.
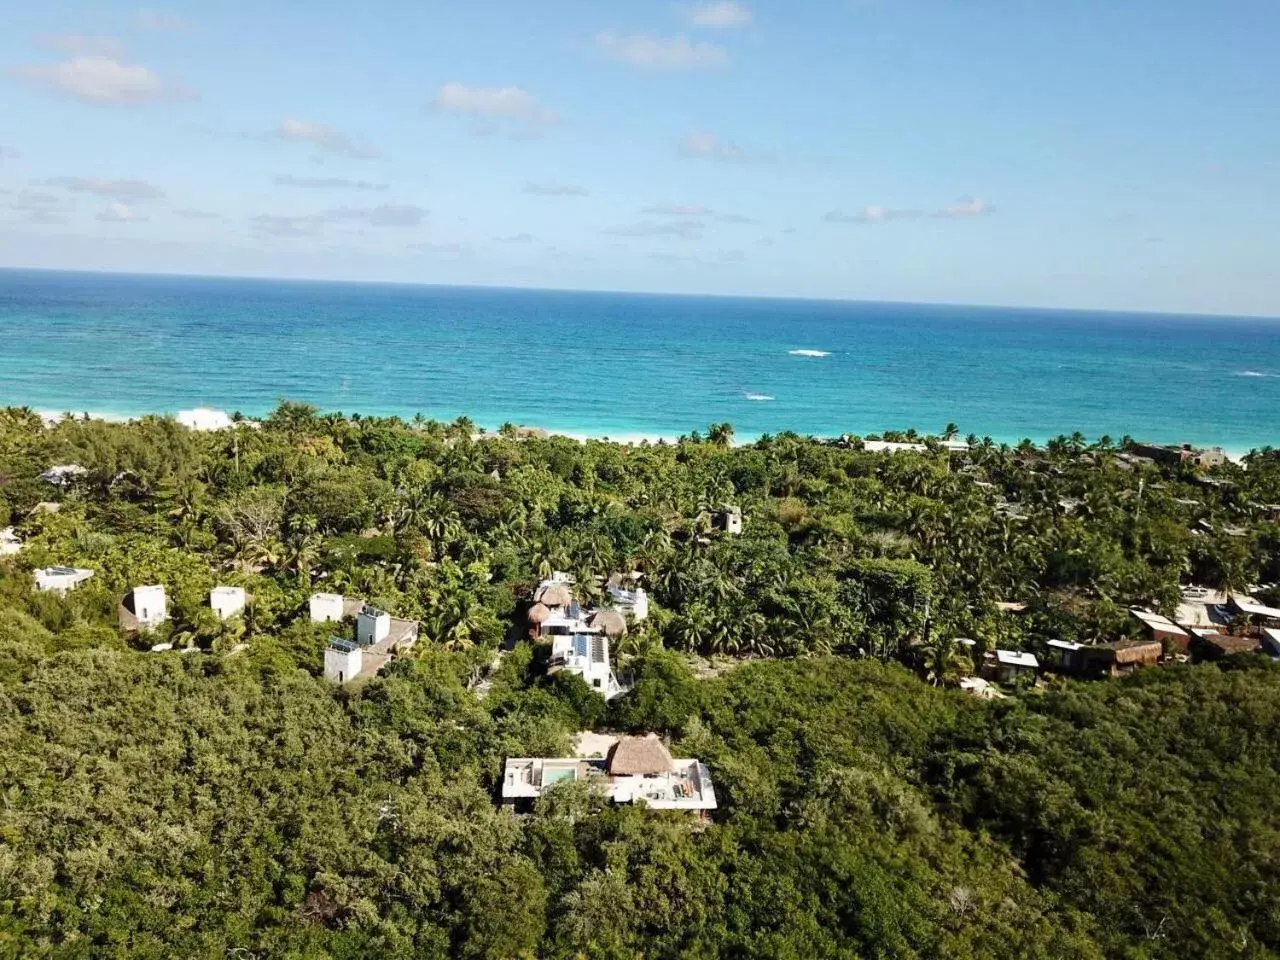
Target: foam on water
x: 809, y: 353
x: 757, y: 396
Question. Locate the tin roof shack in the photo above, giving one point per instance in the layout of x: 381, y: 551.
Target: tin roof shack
x: 1063, y: 656
x: 636, y: 770
x: 1271, y: 642
x: 1161, y: 629
x: 1254, y: 613
x: 1118, y: 659
x: 1211, y: 646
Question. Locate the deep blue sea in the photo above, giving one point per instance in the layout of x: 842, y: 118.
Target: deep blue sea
x: 626, y: 365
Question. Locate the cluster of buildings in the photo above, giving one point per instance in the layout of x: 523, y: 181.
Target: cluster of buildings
x: 1208, y: 625
x: 376, y: 639
x: 635, y: 770
x: 580, y: 635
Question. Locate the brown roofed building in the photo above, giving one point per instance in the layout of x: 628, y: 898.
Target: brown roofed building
x: 1120, y: 658
x: 1219, y: 646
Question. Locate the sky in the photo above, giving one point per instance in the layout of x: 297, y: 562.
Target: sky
x: 1114, y: 155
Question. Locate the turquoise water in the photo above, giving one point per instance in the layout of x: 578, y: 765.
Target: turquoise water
x: 624, y: 366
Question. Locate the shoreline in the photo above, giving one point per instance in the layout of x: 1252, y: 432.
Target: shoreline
x: 625, y: 438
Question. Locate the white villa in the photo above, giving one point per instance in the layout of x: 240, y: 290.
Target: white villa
x: 9, y: 542
x: 326, y: 607
x: 227, y: 601
x: 61, y: 579
x: 637, y: 770
x: 628, y: 596
x: 150, y: 606
x: 379, y: 637
x: 579, y: 638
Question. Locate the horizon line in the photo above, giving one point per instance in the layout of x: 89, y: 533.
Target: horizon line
x: 266, y: 278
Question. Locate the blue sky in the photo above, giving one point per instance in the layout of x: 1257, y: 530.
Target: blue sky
x: 1092, y: 154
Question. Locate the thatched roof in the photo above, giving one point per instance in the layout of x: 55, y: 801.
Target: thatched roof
x: 609, y: 622
x: 538, y: 613
x: 1134, y: 651
x: 639, y: 756
x: 554, y: 595
x: 1231, y: 645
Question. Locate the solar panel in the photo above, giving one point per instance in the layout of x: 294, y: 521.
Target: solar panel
x: 580, y: 644
x: 343, y: 646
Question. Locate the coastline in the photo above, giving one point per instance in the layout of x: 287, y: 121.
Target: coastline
x: 623, y: 437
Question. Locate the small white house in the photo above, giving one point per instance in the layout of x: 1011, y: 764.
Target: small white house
x: 227, y: 601
x: 1014, y: 663
x: 372, y: 626
x: 61, y: 579
x: 150, y: 606
x: 9, y: 542
x: 326, y: 608
x: 729, y: 520
x: 343, y: 661
x: 204, y: 418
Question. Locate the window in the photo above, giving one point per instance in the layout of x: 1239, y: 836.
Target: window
x: 596, y: 684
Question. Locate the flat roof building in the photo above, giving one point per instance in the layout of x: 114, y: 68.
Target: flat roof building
x: 61, y: 579
x: 227, y: 601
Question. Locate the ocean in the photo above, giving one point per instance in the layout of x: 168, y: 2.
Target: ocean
x: 628, y: 366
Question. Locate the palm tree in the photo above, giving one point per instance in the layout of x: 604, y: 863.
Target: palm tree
x: 720, y: 434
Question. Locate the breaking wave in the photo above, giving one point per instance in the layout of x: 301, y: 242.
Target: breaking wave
x: 809, y: 353
x: 1254, y: 373
x: 757, y: 396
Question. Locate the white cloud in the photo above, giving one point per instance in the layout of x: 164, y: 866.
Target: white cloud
x: 492, y: 103
x: 326, y: 138
x: 326, y: 183
x: 384, y: 215
x: 671, y: 229
x: 162, y: 20
x: 100, y: 80
x: 719, y: 14
x: 131, y: 190
x: 77, y: 45
x: 455, y: 249
x: 650, y: 52
x: 964, y: 208
x: 287, y: 227
x: 550, y: 188
x: 118, y: 213
x: 676, y: 210
x: 709, y: 146
x: 870, y: 214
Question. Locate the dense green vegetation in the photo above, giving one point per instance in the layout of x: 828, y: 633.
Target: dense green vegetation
x: 233, y: 804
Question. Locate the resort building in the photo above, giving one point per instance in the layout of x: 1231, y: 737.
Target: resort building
x: 9, y: 542
x: 628, y: 596
x: 227, y: 601
x: 326, y: 607
x: 372, y: 626
x: 636, y: 770
x: 379, y: 638
x: 587, y: 656
x: 343, y: 660
x: 579, y: 638
x: 1174, y: 455
x: 61, y: 579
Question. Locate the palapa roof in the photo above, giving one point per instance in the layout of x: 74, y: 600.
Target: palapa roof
x: 538, y: 613
x: 610, y: 622
x: 554, y: 595
x: 639, y: 756
x: 1137, y: 651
